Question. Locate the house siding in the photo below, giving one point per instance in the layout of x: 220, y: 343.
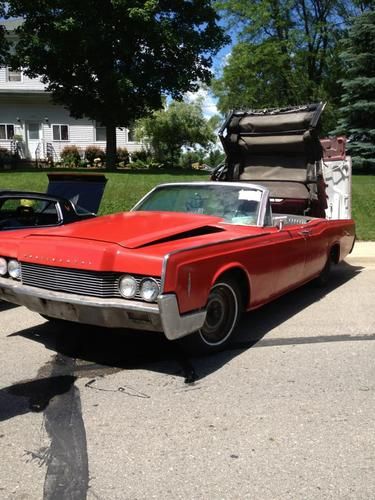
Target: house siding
x: 26, y: 83
x: 25, y: 102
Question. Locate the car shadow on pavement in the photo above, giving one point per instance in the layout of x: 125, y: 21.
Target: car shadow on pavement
x: 265, y: 319
x: 4, y: 306
x: 103, y: 351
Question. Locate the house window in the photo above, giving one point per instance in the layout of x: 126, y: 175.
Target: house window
x: 60, y: 132
x: 6, y: 131
x: 14, y: 76
x: 100, y: 132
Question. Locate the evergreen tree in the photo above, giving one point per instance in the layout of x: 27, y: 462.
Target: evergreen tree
x: 358, y: 99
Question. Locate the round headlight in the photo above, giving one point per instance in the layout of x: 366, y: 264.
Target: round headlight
x: 3, y: 266
x: 14, y: 269
x: 128, y: 286
x: 149, y: 290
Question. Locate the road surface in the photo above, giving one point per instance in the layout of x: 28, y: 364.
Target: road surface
x: 287, y: 413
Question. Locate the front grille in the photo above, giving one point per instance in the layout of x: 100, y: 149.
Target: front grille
x: 81, y: 282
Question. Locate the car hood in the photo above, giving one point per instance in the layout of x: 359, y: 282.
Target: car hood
x: 137, y: 229
x: 85, y: 190
x: 273, y: 144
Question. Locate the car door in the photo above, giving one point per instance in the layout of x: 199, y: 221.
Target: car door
x: 289, y: 257
x: 316, y: 248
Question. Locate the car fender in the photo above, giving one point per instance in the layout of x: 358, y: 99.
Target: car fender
x: 227, y: 268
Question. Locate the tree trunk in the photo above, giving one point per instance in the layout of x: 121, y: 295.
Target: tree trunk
x: 111, y: 147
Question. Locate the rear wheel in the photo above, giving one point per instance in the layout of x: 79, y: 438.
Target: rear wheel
x: 224, y: 308
x: 323, y: 279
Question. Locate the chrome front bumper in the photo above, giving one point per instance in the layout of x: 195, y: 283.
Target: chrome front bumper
x: 112, y: 313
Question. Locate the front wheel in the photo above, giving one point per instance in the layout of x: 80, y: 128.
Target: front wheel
x: 224, y: 308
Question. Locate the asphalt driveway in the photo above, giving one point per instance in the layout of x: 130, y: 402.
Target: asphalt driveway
x: 287, y: 413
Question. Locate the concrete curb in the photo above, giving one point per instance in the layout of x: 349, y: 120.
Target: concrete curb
x: 363, y: 254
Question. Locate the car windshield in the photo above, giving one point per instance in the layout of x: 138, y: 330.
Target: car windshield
x: 22, y: 212
x: 235, y: 204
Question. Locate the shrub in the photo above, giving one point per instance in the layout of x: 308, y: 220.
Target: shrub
x: 4, y: 153
x: 5, y: 157
x: 94, y: 152
x: 142, y: 156
x: 139, y: 165
x: 187, y: 159
x: 122, y: 155
x: 70, y: 156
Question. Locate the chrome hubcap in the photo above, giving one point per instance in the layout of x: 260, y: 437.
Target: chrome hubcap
x: 222, y: 311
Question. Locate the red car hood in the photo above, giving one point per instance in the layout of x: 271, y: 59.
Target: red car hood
x: 137, y: 229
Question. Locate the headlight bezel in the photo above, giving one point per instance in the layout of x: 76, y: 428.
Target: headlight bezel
x: 14, y: 275
x: 3, y: 266
x: 133, y: 283
x: 156, y: 291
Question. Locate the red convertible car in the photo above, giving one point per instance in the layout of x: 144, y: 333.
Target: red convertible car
x: 186, y: 261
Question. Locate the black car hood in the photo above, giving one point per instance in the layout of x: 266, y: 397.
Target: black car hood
x: 84, y: 190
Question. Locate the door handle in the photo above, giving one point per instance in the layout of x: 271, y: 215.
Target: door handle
x: 305, y: 232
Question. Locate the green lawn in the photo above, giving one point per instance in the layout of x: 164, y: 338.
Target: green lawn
x: 363, y: 202
x: 125, y: 188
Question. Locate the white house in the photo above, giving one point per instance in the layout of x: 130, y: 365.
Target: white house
x: 27, y: 112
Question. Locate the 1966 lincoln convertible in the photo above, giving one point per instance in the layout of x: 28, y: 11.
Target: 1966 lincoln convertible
x: 187, y: 261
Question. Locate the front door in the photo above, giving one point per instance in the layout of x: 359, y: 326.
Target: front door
x: 289, y: 258
x: 33, y: 142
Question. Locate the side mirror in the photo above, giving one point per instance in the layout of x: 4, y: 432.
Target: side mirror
x: 280, y: 223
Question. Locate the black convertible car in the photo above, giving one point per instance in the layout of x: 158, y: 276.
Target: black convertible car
x: 69, y: 198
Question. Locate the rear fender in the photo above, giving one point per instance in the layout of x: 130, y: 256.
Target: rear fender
x: 334, y: 252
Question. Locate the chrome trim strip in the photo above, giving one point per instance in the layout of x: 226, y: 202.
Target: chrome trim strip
x: 59, y: 213
x: 263, y: 207
x: 204, y: 245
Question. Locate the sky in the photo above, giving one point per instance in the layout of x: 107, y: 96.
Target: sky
x: 209, y: 101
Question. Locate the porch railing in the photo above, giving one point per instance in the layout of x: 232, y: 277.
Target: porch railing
x: 51, y: 154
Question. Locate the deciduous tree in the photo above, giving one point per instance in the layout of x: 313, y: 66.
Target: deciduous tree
x: 112, y: 60
x: 180, y: 125
x: 3, y: 44
x: 286, y: 52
